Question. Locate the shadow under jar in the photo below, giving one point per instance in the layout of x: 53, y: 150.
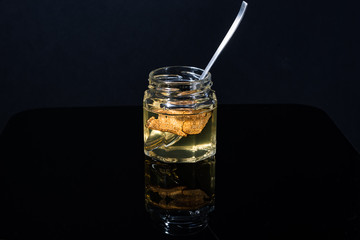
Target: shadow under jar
x: 180, y: 146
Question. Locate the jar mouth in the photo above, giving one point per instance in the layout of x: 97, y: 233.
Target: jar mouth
x: 180, y: 87
x: 178, y: 74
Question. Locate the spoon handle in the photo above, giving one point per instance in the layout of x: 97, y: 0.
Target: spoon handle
x: 226, y: 39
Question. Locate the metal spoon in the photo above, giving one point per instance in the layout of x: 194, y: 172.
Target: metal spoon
x: 226, y: 39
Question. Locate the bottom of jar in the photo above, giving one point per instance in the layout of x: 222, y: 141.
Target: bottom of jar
x: 190, y: 155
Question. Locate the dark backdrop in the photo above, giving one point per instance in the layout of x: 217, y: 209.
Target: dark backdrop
x: 62, y: 53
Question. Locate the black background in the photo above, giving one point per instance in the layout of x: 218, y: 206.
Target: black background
x: 285, y: 172
x: 64, y: 53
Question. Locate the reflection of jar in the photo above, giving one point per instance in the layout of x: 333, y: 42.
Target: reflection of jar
x: 179, y: 115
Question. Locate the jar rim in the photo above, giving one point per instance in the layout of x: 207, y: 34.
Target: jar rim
x: 172, y: 74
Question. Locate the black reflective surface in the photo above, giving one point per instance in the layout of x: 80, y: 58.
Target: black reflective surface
x: 282, y: 172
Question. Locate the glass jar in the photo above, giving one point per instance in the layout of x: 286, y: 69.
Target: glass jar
x: 180, y: 146
x: 179, y: 115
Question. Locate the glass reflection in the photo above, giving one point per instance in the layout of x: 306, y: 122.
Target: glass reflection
x: 179, y: 196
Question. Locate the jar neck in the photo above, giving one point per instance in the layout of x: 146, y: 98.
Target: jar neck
x: 179, y: 87
x: 179, y: 80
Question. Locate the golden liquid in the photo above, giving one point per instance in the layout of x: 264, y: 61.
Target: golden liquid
x: 179, y: 186
x: 186, y: 149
